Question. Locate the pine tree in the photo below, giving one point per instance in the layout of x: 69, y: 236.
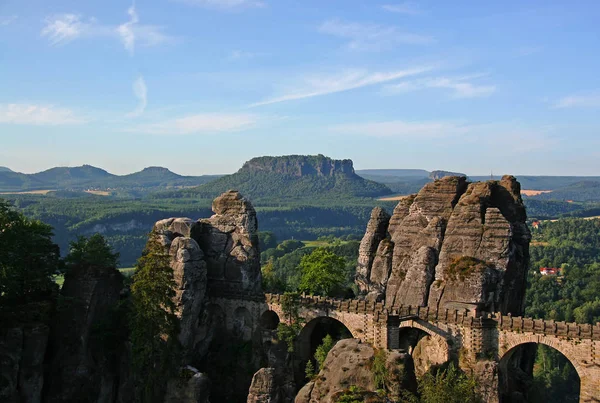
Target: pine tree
x: 154, y: 324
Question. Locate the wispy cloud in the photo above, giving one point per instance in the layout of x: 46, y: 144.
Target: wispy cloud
x: 203, y: 123
x: 315, y: 86
x: 590, y: 101
x: 126, y: 30
x: 461, y: 87
x: 38, y: 115
x: 7, y: 20
x: 141, y: 93
x: 372, y: 36
x: 408, y: 8
x: 63, y: 28
x: 225, y: 4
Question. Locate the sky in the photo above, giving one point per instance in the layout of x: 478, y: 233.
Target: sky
x: 200, y: 86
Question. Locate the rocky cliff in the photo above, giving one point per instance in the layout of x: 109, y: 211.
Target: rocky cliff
x: 299, y: 165
x: 454, y: 244
x: 297, y: 176
x: 80, y: 367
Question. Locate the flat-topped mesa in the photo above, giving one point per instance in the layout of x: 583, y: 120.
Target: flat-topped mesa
x: 299, y: 165
x: 455, y: 244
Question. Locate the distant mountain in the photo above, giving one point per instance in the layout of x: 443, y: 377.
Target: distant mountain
x: 64, y: 177
x: 293, y: 177
x: 5, y: 169
x: 435, y: 175
x: 89, y: 177
x: 582, y: 191
x: 419, y: 173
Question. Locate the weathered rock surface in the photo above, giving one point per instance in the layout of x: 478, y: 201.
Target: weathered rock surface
x: 447, y: 220
x: 488, y: 224
x: 271, y: 385
x: 79, y: 368
x: 192, y: 389
x: 22, y: 352
x: 189, y: 273
x: 299, y: 165
x: 376, y: 232
x: 229, y: 240
x: 349, y: 363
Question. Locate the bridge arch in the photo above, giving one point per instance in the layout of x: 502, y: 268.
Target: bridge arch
x: 426, y: 344
x: 312, y: 335
x: 516, y: 365
x: 269, y: 320
x: 510, y: 345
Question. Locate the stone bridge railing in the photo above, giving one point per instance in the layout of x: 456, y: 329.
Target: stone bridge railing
x: 462, y: 317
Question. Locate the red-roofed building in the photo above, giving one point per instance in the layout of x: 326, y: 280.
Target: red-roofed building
x: 550, y: 271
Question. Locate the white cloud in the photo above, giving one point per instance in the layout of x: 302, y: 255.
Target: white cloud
x: 343, y: 81
x: 408, y: 8
x: 38, y: 115
x: 204, y: 123
x: 63, y: 28
x: 225, y: 4
x: 461, y: 87
x: 579, y: 101
x: 7, y: 20
x: 372, y: 36
x: 141, y: 93
x: 126, y: 30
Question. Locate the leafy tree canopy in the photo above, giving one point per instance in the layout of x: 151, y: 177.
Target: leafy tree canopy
x: 28, y: 258
x: 322, y: 272
x: 91, y: 252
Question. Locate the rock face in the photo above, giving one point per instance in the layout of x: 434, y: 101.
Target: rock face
x: 22, y: 352
x: 299, y: 165
x: 271, y: 386
x: 189, y: 272
x: 80, y: 368
x: 229, y: 240
x: 349, y: 363
x: 195, y: 389
x: 368, y: 250
x: 454, y: 244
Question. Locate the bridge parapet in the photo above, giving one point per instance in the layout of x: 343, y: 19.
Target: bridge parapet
x: 545, y: 327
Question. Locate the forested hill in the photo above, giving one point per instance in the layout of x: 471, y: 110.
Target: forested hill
x: 292, y: 177
x: 89, y: 177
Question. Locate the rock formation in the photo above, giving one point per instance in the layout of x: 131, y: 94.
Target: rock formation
x: 22, y: 350
x: 271, y: 385
x: 454, y: 244
x: 299, y: 165
x: 349, y: 364
x: 80, y: 367
x: 191, y: 387
x: 229, y: 240
x: 189, y: 272
x: 368, y: 250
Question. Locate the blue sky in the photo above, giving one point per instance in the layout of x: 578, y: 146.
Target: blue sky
x: 200, y: 86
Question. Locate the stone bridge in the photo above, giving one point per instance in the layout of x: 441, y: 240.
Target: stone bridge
x: 484, y: 344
